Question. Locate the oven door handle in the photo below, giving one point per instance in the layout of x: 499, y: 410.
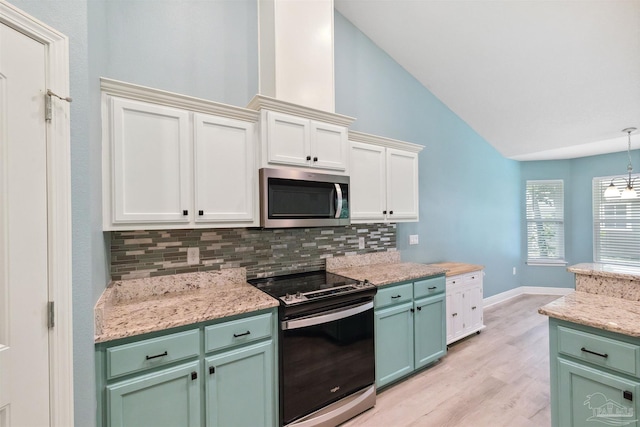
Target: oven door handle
x: 326, y: 318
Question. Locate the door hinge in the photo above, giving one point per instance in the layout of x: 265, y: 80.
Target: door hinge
x: 48, y: 103
x: 50, y: 315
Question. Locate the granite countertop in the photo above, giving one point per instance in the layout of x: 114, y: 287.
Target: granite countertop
x: 380, y: 268
x: 457, y: 268
x: 602, y: 312
x: 606, y: 270
x: 133, y: 307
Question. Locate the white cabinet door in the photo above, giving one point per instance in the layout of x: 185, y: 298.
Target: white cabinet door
x: 475, y: 301
x: 288, y: 140
x: 150, y: 163
x: 367, y: 182
x: 225, y: 171
x: 457, y: 313
x: 402, y: 185
x: 329, y: 146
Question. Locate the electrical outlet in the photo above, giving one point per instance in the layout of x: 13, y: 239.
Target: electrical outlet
x: 413, y: 239
x: 514, y: 271
x: 193, y: 256
x: 360, y: 242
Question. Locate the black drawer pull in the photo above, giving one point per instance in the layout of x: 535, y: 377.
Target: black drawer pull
x: 419, y: 308
x: 473, y: 308
x: 308, y: 157
x: 432, y: 288
x: 185, y: 212
x: 454, y: 314
x: 194, y: 375
x: 156, y: 356
x: 593, y: 352
x: 390, y: 212
x: 412, y: 310
x: 384, y: 212
x: 627, y: 395
x: 315, y: 159
x: 212, y: 370
x: 241, y: 335
x: 200, y: 212
x: 397, y: 296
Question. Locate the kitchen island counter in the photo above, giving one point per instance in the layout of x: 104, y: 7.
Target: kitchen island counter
x: 138, y: 306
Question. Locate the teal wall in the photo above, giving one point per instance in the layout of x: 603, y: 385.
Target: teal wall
x: 469, y: 193
x: 578, y: 175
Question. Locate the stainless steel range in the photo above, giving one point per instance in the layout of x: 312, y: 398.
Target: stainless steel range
x: 327, y: 355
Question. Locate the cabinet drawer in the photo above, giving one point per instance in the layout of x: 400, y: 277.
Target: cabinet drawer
x: 146, y: 354
x: 617, y: 355
x: 473, y: 278
x: 431, y: 286
x: 394, y: 295
x: 236, y: 332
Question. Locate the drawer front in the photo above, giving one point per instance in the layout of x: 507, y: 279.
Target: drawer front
x: 426, y: 287
x: 473, y: 278
x: 454, y: 281
x: 236, y: 332
x: 146, y: 354
x: 394, y: 295
x: 617, y: 355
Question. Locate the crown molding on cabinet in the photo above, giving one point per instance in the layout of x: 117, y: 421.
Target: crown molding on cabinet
x: 384, y: 142
x: 260, y: 102
x: 172, y: 99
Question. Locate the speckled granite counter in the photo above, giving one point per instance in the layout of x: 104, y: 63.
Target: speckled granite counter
x: 457, y: 268
x: 380, y: 268
x: 138, y: 306
x: 606, y: 297
x: 608, y: 313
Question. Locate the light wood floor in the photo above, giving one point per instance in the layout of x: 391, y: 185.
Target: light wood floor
x: 499, y: 378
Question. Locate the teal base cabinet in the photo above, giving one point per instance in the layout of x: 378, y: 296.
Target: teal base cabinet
x: 216, y: 374
x: 595, y: 376
x: 410, y: 328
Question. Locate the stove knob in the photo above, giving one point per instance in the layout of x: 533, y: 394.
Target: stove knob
x: 367, y: 283
x: 298, y: 295
x: 288, y: 297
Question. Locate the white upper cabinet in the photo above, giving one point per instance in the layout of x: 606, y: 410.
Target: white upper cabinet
x: 367, y: 182
x: 225, y: 170
x: 150, y: 162
x: 402, y: 185
x: 384, y: 179
x: 300, y: 137
x: 296, y: 141
x: 172, y: 161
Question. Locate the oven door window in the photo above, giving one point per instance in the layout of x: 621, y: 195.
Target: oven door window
x: 325, y: 362
x: 295, y: 199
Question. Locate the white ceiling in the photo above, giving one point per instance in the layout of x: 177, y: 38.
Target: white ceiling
x: 537, y: 79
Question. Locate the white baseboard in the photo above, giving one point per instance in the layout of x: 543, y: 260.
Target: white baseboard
x: 522, y: 290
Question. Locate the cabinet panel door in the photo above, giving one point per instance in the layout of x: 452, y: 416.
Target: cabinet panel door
x: 225, y: 170
x: 288, y: 139
x: 329, y: 145
x: 475, y: 305
x: 429, y: 330
x: 367, y: 181
x: 170, y: 398
x: 587, y: 396
x: 150, y: 163
x: 457, y: 313
x: 402, y: 185
x: 394, y: 343
x: 240, y: 388
x: 450, y: 309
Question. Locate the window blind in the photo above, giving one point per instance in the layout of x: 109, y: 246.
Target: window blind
x: 545, y: 221
x: 616, y: 225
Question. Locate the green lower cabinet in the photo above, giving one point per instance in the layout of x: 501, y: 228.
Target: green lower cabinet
x: 589, y: 397
x: 394, y: 343
x: 239, y: 387
x: 429, y: 330
x: 169, y: 397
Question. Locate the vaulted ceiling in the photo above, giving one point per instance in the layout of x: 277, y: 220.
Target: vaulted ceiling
x: 537, y: 79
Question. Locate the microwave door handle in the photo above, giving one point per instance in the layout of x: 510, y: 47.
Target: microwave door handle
x: 339, y: 204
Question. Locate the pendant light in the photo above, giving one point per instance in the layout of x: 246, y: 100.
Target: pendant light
x: 629, y: 192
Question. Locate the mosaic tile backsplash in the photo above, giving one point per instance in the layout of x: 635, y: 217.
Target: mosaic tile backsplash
x: 263, y: 252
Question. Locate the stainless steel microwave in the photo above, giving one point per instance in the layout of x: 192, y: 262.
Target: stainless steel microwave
x: 294, y: 198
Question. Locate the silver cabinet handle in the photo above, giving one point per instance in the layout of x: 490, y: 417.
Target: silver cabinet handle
x: 339, y: 205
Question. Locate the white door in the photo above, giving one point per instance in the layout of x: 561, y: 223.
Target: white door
x: 225, y: 170
x: 24, y: 346
x: 288, y: 140
x: 367, y: 182
x: 402, y: 185
x: 329, y: 146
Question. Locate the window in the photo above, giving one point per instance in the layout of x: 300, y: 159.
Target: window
x: 545, y: 222
x: 616, y: 225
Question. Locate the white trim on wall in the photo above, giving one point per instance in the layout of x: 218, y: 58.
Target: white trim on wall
x: 56, y: 47
x: 524, y: 290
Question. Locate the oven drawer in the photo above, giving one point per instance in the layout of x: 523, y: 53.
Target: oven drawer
x: 427, y: 287
x: 236, y: 332
x: 394, y: 295
x: 613, y: 354
x: 146, y: 354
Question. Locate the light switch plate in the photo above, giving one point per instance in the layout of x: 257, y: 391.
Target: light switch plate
x: 193, y: 256
x: 413, y: 239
